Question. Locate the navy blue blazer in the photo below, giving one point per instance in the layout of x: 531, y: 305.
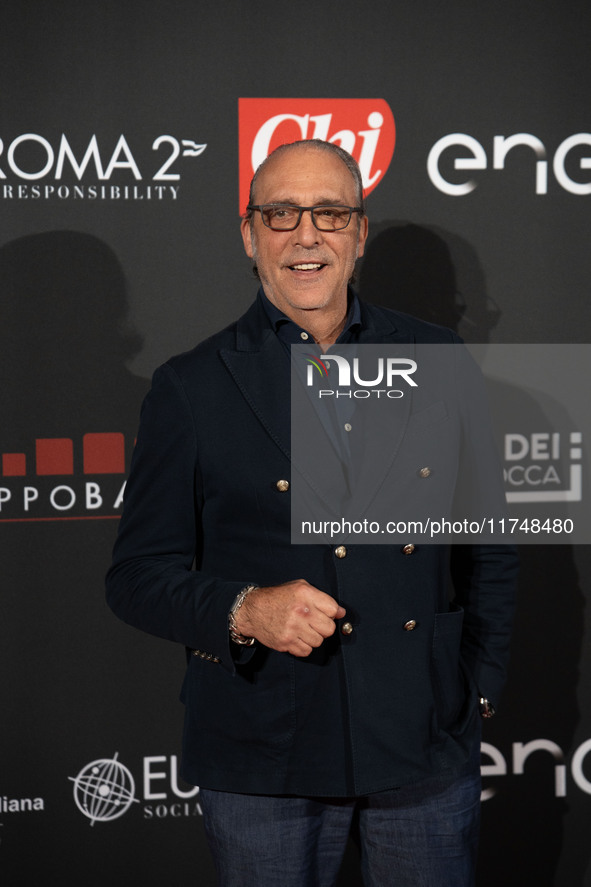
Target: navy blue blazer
x: 203, y: 517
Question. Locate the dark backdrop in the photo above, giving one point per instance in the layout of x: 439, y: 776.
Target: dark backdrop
x: 109, y: 266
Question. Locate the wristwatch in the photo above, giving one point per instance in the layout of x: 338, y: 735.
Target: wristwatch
x: 487, y: 709
x: 234, y: 633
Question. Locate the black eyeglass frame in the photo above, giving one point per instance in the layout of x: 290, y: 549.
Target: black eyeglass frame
x: 302, y: 210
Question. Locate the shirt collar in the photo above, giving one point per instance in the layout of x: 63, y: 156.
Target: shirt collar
x: 291, y: 332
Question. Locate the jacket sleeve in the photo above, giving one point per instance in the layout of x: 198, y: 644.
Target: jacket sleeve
x: 484, y: 574
x: 484, y: 578
x: 152, y: 583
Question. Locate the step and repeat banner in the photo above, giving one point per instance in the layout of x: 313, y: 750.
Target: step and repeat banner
x: 128, y: 135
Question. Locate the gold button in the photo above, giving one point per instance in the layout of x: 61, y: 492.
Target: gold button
x: 408, y: 549
x: 341, y: 551
x: 347, y: 628
x: 424, y: 472
x: 282, y: 485
x: 410, y: 625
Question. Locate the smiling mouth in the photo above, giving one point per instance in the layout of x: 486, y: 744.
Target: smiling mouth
x: 307, y: 266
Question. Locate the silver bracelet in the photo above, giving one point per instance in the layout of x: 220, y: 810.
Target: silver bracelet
x: 234, y: 633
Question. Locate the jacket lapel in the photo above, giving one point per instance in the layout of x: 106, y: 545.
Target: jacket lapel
x: 383, y: 429
x: 260, y: 369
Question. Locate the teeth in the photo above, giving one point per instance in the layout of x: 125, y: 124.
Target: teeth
x: 308, y: 267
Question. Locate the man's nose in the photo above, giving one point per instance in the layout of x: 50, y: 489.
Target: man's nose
x: 307, y: 233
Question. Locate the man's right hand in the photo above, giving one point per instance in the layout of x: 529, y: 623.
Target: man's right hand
x: 291, y: 618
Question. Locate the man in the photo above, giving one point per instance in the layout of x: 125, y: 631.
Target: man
x: 326, y: 684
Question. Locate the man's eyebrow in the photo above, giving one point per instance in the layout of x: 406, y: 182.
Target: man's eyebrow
x: 322, y: 201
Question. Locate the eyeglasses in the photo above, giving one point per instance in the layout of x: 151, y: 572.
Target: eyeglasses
x: 285, y: 217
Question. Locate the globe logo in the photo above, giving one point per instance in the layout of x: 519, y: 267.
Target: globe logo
x: 104, y: 790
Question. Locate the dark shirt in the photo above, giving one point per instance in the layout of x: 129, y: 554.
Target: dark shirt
x: 289, y: 333
x: 337, y: 413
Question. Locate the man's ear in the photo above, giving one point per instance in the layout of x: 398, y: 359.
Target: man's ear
x: 246, y: 231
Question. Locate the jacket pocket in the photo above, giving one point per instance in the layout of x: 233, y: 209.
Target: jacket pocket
x: 450, y: 685
x: 253, y: 706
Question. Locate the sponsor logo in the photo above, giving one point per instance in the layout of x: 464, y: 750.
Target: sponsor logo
x: 21, y: 805
x: 60, y: 480
x: 34, y: 168
x: 502, y: 765
x: 536, y: 470
x: 363, y: 127
x: 105, y: 790
x: 458, y: 151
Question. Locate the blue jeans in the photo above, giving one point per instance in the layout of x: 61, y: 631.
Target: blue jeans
x: 421, y: 835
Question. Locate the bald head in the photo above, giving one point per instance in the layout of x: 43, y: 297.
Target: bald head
x: 310, y: 145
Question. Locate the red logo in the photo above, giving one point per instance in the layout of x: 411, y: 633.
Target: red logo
x: 57, y: 479
x: 363, y: 127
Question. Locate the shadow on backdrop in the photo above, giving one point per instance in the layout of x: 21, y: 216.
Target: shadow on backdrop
x: 437, y: 276
x: 82, y: 685
x: 64, y: 339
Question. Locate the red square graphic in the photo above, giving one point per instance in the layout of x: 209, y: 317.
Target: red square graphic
x: 55, y: 455
x: 103, y: 453
x: 14, y: 465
